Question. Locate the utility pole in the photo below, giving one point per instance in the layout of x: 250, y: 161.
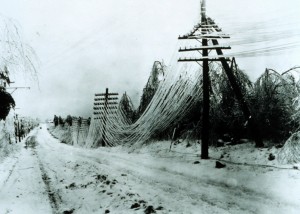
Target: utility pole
x: 204, y: 29
x: 205, y: 88
x: 4, y: 83
x: 204, y: 32
x: 106, y: 107
x: 18, y: 131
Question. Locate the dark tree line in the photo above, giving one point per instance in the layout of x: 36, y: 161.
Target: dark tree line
x: 58, y: 120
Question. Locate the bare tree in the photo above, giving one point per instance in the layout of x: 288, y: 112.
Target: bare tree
x: 15, y: 56
x: 18, y: 56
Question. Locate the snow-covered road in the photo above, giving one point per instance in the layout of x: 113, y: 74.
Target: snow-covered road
x: 50, y: 177
x: 22, y: 189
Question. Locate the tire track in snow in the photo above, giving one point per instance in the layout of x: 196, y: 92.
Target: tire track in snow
x: 53, y: 196
x: 107, y: 190
x: 10, y: 173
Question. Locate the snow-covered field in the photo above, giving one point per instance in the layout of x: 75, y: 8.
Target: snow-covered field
x: 46, y: 176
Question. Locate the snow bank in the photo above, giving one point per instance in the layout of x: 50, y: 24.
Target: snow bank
x: 245, y: 153
x: 63, y: 133
x: 290, y: 152
x: 7, y: 137
x: 73, y: 135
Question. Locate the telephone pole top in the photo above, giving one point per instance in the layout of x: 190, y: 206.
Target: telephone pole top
x: 207, y: 33
x: 203, y: 10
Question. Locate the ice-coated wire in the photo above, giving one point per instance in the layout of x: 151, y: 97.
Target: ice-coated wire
x: 181, y: 88
x: 176, y: 94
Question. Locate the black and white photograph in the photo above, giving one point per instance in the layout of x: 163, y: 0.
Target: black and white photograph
x: 140, y: 107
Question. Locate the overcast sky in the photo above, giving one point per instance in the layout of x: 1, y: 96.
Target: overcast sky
x: 85, y: 46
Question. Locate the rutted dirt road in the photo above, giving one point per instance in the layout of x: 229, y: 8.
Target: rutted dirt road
x: 22, y: 188
x: 49, y: 177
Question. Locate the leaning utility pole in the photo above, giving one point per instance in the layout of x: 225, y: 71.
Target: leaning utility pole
x: 204, y: 32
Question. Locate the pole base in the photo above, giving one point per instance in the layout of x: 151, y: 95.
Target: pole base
x: 205, y: 157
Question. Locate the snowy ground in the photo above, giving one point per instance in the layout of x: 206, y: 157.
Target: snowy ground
x: 49, y: 177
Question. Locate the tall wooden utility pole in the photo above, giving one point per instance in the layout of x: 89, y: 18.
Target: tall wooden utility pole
x: 106, y: 107
x: 205, y: 86
x: 204, y: 32
x: 204, y: 29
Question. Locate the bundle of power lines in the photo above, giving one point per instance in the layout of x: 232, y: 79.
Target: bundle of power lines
x: 181, y: 88
x: 176, y: 95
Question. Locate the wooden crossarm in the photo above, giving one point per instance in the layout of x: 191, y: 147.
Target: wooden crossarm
x: 109, y: 98
x: 204, y: 48
x: 202, y: 59
x: 205, y: 37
